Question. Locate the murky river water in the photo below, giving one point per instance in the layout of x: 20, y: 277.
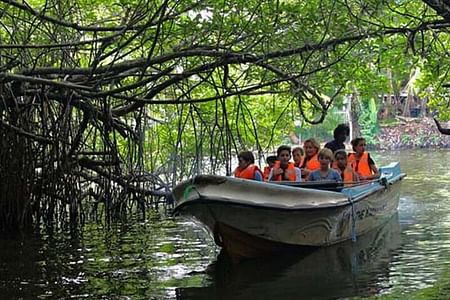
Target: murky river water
x: 164, y: 258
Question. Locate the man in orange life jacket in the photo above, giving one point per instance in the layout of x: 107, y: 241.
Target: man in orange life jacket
x: 247, y: 168
x: 284, y: 170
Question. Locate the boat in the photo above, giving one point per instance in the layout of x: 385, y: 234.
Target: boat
x: 250, y: 219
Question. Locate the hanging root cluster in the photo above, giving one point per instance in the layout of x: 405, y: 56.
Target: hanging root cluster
x: 62, y: 165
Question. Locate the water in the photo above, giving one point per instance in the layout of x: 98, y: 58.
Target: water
x: 163, y: 258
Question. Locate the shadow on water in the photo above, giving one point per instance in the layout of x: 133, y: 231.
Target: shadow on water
x: 344, y: 270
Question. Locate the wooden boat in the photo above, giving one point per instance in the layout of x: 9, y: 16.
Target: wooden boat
x: 253, y: 219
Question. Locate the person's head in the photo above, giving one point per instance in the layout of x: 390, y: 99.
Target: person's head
x: 311, y: 147
x: 359, y: 145
x: 297, y: 154
x: 325, y: 158
x: 245, y: 159
x: 341, y: 158
x: 271, y: 160
x: 284, y: 155
x: 341, y: 132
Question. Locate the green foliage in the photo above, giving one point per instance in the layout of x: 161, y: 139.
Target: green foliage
x: 322, y: 132
x: 173, y: 88
x: 368, y: 121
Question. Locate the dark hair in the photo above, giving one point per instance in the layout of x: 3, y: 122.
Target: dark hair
x: 356, y: 141
x: 271, y: 159
x: 340, y: 152
x: 341, y: 129
x: 302, y: 152
x: 247, y: 156
x: 282, y: 148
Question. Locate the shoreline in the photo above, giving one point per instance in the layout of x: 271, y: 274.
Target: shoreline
x: 411, y: 133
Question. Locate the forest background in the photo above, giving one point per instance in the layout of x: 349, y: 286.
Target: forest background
x: 116, y: 101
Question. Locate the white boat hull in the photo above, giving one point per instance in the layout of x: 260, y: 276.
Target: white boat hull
x: 238, y: 212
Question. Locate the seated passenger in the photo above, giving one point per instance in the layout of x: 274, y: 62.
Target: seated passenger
x: 297, y: 155
x: 311, y: 161
x: 247, y: 168
x: 361, y: 162
x: 284, y: 170
x: 270, y: 163
x: 325, y: 173
x: 344, y: 169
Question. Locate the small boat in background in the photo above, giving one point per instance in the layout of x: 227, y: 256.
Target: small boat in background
x: 254, y: 219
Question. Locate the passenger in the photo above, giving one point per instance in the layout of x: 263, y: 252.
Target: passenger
x: 340, y: 134
x: 361, y: 162
x: 344, y: 169
x: 325, y: 172
x: 284, y: 170
x: 270, y: 163
x: 247, y: 168
x: 311, y: 161
x: 297, y: 154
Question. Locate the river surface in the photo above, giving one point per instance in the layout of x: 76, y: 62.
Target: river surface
x: 163, y: 258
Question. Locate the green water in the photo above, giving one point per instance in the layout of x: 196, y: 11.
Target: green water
x: 163, y: 258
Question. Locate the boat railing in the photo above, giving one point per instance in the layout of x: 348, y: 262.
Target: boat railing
x: 332, y: 185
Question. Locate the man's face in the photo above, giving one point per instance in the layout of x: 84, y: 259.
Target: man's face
x: 341, y: 137
x: 284, y: 157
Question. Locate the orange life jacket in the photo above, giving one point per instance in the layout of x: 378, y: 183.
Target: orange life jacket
x: 247, y: 173
x: 290, y: 172
x: 360, y: 166
x: 347, y: 174
x: 313, y: 163
x: 266, y: 173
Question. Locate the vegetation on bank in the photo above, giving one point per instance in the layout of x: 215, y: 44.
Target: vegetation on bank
x: 110, y: 103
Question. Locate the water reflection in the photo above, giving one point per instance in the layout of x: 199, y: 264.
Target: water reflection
x: 339, y: 271
x: 163, y: 258
x: 132, y: 260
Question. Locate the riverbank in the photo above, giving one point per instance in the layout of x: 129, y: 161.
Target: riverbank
x: 409, y: 133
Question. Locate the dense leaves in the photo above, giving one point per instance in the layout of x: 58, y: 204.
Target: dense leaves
x: 129, y: 97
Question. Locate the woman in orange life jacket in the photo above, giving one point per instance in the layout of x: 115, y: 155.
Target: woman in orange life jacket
x: 247, y: 168
x: 284, y: 170
x: 311, y: 160
x: 361, y: 162
x: 345, y: 170
x: 270, y: 163
x: 297, y: 155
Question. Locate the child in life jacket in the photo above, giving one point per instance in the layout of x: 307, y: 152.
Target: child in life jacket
x: 284, y: 170
x: 297, y: 154
x: 311, y: 161
x: 361, y: 162
x: 247, y: 168
x: 325, y: 172
x: 344, y: 169
x: 270, y: 163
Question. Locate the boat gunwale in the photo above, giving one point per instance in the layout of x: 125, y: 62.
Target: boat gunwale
x: 350, y: 201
